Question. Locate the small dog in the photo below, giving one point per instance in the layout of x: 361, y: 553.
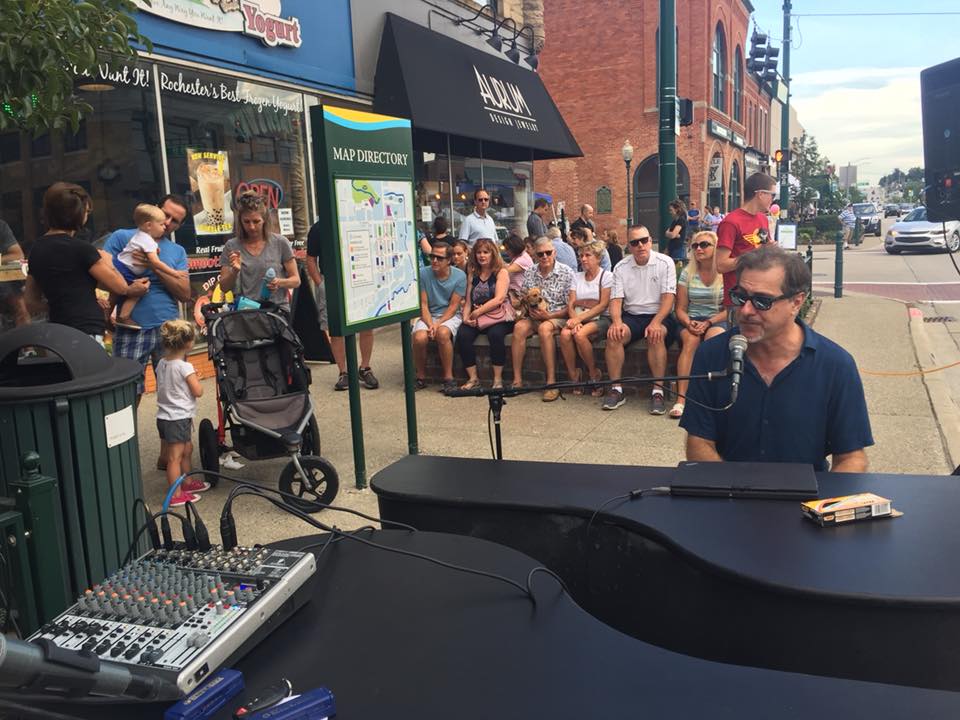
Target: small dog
x: 524, y: 302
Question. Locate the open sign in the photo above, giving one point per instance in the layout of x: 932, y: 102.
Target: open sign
x: 268, y: 189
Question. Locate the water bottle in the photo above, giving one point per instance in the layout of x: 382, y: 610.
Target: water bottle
x: 269, y: 277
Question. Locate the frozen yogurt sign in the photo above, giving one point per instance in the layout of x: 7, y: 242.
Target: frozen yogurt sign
x: 257, y: 18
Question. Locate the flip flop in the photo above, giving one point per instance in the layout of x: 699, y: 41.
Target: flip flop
x: 579, y: 378
x: 470, y: 384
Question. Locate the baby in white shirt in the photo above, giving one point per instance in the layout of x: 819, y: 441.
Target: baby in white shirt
x: 150, y: 227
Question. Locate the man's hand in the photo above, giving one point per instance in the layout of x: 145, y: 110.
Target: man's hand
x: 140, y: 258
x: 655, y: 332
x: 618, y: 331
x: 538, y: 314
x: 138, y: 288
x: 574, y: 326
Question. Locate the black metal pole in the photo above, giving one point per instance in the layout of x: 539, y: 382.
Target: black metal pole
x: 629, y: 197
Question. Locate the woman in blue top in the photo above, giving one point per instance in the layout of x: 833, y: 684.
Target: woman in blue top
x: 699, y: 310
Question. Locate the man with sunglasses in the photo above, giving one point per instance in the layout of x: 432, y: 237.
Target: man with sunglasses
x: 479, y: 223
x: 644, y: 290
x: 442, y: 288
x: 800, y: 397
x: 744, y: 229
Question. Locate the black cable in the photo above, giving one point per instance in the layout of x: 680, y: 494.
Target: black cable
x: 493, y: 453
x: 442, y: 563
x: 145, y: 526
x: 548, y: 571
x: 289, y: 496
x: 625, y: 496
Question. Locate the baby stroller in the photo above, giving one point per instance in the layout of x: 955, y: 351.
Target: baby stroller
x: 263, y: 397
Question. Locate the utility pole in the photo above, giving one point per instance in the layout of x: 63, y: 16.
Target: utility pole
x: 785, y: 117
x: 667, y: 150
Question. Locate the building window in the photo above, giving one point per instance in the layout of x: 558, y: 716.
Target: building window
x: 734, y: 186
x: 715, y: 182
x: 738, y: 86
x: 9, y: 147
x: 720, y: 70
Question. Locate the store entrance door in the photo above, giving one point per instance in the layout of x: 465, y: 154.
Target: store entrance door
x: 646, y: 191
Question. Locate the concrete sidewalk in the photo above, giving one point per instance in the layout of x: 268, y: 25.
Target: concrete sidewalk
x: 877, y: 332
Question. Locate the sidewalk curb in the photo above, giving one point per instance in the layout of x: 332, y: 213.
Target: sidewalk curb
x: 944, y: 410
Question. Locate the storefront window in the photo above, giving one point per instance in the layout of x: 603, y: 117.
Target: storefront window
x: 715, y: 183
x: 433, y: 188
x: 224, y: 136
x: 115, y: 156
x: 510, y: 185
x: 734, y: 186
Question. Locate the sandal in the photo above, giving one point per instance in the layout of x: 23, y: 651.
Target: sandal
x: 599, y: 390
x: 420, y: 384
x: 677, y: 410
x: 497, y: 386
x: 471, y: 384
x: 578, y: 379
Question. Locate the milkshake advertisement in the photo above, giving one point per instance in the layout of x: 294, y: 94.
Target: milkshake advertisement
x: 210, y: 184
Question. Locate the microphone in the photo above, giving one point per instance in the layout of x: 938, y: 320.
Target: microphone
x: 472, y: 392
x: 45, y: 667
x: 738, y: 346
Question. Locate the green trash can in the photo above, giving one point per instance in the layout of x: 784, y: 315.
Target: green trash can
x: 64, y: 397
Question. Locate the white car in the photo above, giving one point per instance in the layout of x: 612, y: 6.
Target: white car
x: 915, y: 232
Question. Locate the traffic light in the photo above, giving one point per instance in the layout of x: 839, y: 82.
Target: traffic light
x: 780, y: 155
x: 763, y: 57
x: 685, y: 111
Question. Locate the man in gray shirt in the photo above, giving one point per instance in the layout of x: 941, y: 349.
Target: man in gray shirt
x: 479, y: 223
x: 536, y: 223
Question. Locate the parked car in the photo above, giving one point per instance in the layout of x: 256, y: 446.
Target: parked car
x: 869, y: 218
x: 915, y: 232
x: 891, y: 210
x: 905, y: 208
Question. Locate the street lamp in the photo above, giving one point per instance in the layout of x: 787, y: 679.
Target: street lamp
x: 627, y: 153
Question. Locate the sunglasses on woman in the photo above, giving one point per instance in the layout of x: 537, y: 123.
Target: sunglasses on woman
x: 701, y: 245
x: 761, y: 302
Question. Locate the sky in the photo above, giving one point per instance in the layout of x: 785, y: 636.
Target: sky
x: 856, y: 79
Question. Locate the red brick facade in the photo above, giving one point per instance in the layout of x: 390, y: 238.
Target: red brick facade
x: 600, y: 66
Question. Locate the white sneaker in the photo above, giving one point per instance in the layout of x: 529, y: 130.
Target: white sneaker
x: 230, y: 461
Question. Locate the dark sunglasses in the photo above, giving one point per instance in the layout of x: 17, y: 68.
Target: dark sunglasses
x: 479, y: 200
x: 638, y: 241
x: 544, y: 253
x: 761, y: 302
x: 438, y: 258
x: 701, y: 245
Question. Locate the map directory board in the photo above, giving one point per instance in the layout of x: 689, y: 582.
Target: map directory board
x: 369, y: 254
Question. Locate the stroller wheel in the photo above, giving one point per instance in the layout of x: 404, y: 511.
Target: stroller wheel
x: 311, y: 438
x: 209, y: 449
x: 320, y: 486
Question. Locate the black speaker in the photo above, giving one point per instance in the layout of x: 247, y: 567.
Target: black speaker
x: 940, y: 101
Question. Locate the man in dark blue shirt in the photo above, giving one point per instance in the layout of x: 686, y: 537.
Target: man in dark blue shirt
x: 800, y: 398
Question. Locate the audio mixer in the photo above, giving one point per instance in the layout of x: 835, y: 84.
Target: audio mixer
x: 183, y: 613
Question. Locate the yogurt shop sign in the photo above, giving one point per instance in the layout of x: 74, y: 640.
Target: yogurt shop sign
x: 261, y: 19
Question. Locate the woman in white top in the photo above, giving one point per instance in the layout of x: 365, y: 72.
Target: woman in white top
x: 699, y: 310
x: 587, y: 307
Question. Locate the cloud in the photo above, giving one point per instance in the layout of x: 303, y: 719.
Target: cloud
x: 866, y: 116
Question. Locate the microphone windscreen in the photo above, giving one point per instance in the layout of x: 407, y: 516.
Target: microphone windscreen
x: 738, y: 342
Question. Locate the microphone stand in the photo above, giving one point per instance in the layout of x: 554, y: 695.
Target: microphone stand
x: 496, y: 397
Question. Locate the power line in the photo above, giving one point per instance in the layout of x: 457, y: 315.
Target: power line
x: 873, y: 14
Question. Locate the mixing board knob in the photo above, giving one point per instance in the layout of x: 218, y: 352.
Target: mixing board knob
x: 219, y: 607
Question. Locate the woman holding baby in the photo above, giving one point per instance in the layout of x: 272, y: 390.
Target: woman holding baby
x: 247, y: 257
x: 589, y: 316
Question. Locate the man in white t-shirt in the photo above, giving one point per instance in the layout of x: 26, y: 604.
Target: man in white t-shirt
x: 644, y: 290
x: 479, y: 223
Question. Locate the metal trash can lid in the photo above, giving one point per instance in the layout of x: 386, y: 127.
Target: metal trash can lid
x: 78, y: 363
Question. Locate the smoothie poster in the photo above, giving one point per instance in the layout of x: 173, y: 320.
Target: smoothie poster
x: 209, y: 172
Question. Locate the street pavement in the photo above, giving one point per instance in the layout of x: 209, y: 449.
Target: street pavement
x: 915, y: 416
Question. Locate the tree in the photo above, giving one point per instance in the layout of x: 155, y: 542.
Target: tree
x: 806, y: 163
x: 44, y: 44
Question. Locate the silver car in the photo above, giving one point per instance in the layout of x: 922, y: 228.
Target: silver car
x: 914, y: 232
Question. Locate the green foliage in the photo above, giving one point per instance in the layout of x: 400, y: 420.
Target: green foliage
x: 806, y: 164
x: 42, y: 41
x: 824, y: 224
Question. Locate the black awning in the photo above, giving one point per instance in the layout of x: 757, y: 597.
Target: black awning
x: 448, y: 87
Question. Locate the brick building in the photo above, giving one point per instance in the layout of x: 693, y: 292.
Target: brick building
x: 601, y: 67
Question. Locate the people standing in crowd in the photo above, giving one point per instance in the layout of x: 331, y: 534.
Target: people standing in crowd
x: 520, y: 261
x: 588, y: 316
x: 485, y: 312
x: 693, y: 218
x: 64, y: 272
x: 178, y: 387
x: 699, y: 308
x: 479, y: 223
x: 537, y: 222
x: 247, y: 256
x: 441, y: 233
x: 554, y: 281
x: 713, y: 219
x: 644, y: 289
x: 677, y: 231
x: 614, y: 250
x: 566, y: 255
x: 442, y: 289
x: 12, y: 303
x: 744, y: 229
x: 461, y: 255
x: 337, y: 344
x: 585, y: 220
x: 800, y: 395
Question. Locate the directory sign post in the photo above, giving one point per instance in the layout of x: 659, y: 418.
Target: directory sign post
x: 369, y: 254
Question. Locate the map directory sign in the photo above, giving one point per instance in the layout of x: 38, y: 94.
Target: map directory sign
x: 369, y: 256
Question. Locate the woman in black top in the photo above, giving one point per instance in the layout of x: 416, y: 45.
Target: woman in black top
x: 677, y: 230
x: 64, y: 272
